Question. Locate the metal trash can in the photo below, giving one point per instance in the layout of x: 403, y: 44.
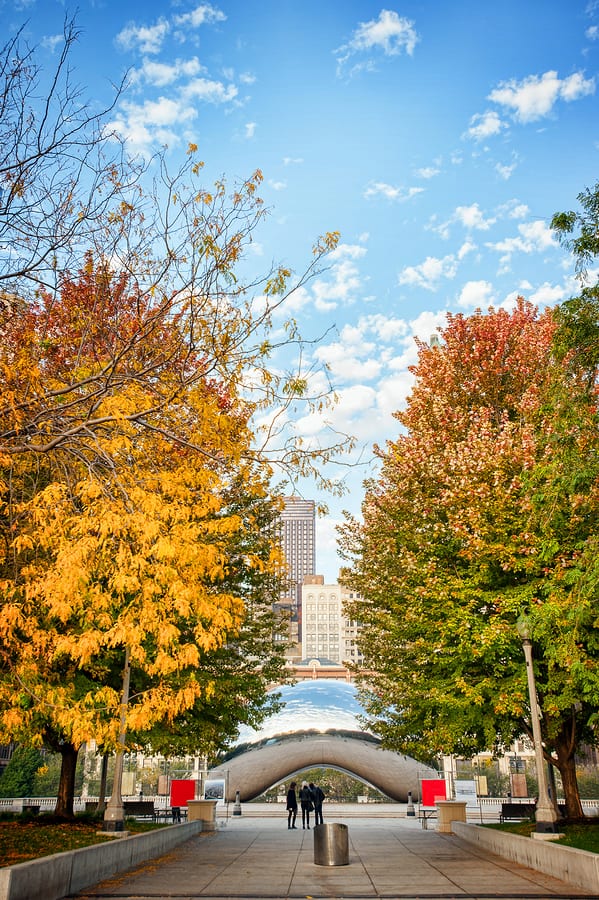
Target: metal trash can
x: 331, y: 844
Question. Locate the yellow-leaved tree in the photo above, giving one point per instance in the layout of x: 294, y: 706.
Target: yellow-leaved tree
x: 136, y: 504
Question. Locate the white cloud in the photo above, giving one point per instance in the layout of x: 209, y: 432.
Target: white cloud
x: 344, y: 251
x: 476, y: 295
x: 341, y: 288
x: 429, y: 273
x: 392, y: 394
x: 533, y: 237
x: 51, y: 42
x: 201, y: 15
x: 484, y: 125
x: 505, y: 171
x: 356, y: 399
x: 535, y: 96
x: 340, y: 283
x: 277, y: 185
x: 514, y: 209
x: 471, y: 217
x: 387, y: 329
x: 147, y: 38
x: 250, y: 129
x: 592, y: 33
x: 292, y: 161
x: 466, y: 248
x: 390, y: 33
x: 210, y: 91
x: 548, y: 294
x: 428, y: 172
x: 144, y: 125
x: 326, y: 544
x: 348, y: 366
x: 161, y: 74
x: 150, y: 38
x: 391, y: 192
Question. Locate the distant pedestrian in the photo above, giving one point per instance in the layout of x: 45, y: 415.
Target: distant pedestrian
x: 307, y: 803
x: 317, y: 798
x: 291, y: 806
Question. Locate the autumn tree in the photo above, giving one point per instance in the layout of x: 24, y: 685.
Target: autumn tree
x: 475, y: 520
x: 73, y: 202
x: 143, y: 417
x: 159, y: 548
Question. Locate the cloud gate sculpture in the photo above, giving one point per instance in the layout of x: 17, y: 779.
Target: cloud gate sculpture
x: 318, y: 726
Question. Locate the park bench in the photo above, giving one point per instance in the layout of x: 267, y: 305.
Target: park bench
x: 174, y: 813
x: 523, y: 810
x: 517, y: 811
x: 139, y: 809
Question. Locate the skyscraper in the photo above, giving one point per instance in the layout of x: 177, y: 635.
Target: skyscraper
x: 298, y: 541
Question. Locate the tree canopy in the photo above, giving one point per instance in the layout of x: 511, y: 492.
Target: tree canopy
x: 142, y: 431
x: 484, y: 510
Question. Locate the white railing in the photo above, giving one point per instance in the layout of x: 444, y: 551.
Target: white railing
x: 488, y: 805
x: 48, y: 804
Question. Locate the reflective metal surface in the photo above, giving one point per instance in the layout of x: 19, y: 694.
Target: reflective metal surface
x: 331, y: 844
x: 310, y: 706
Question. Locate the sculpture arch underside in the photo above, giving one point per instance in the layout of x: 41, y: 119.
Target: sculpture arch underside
x: 254, y: 771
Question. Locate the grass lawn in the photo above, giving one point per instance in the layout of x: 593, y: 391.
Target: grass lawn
x: 583, y: 837
x: 29, y: 837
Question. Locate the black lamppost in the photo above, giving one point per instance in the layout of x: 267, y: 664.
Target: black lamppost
x: 545, y: 813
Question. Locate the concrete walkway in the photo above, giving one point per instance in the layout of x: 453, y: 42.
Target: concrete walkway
x: 258, y: 858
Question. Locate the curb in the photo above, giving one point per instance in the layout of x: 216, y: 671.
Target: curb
x: 577, y: 867
x: 64, y: 874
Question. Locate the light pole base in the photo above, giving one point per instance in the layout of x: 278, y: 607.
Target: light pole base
x: 237, y: 805
x: 112, y: 826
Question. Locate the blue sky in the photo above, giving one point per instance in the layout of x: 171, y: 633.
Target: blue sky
x: 439, y: 139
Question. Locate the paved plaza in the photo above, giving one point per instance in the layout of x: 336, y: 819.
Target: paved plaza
x: 248, y: 858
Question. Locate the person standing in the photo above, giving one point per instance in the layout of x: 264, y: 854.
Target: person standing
x: 307, y: 803
x: 318, y: 797
x: 291, y: 806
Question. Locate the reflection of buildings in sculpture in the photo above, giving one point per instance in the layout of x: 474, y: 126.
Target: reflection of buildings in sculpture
x: 327, y: 633
x: 298, y: 541
x: 317, y: 725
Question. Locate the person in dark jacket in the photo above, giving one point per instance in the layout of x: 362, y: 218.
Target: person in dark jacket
x: 291, y: 806
x: 307, y: 803
x: 318, y: 797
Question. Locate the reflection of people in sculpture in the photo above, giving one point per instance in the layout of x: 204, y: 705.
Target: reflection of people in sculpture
x: 291, y: 806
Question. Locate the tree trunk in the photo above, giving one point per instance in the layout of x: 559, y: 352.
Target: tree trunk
x: 66, y: 787
x: 566, y: 764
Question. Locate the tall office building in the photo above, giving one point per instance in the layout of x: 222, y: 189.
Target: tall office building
x: 297, y: 522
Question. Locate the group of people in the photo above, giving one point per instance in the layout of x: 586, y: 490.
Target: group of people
x: 310, y: 797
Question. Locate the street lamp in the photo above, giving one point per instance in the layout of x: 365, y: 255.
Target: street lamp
x: 114, y: 815
x: 545, y: 812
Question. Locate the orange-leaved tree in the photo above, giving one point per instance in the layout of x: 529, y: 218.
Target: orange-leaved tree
x: 140, y: 395
x: 128, y: 543
x: 472, y: 523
